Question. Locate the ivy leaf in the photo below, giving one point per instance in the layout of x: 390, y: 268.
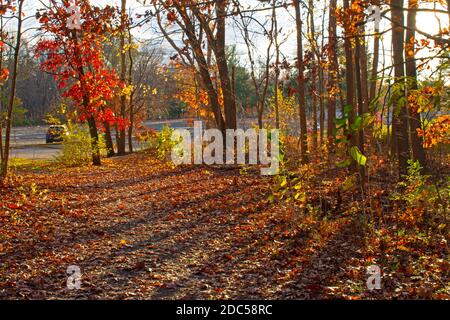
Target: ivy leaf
x: 357, y: 124
x: 348, y: 109
x: 368, y: 119
x: 345, y: 163
x: 358, y: 156
x: 341, y: 122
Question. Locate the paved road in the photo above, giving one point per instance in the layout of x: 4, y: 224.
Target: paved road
x: 29, y: 142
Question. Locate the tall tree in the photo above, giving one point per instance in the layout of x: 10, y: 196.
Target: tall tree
x: 333, y: 71
x: 362, y: 61
x: 411, y: 78
x: 400, y: 113
x: 194, y: 22
x: 349, y: 67
x: 12, y: 93
x: 322, y: 79
x: 131, y: 113
x: 277, y: 65
x: 301, y: 84
x: 313, y: 71
x: 375, y: 60
x: 74, y: 55
x: 361, y: 84
x: 260, y: 81
x: 218, y: 47
x: 121, y: 149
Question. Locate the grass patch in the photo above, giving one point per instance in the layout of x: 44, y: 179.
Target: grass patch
x: 20, y: 164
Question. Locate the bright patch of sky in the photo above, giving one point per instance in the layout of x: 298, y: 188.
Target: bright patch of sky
x: 426, y: 21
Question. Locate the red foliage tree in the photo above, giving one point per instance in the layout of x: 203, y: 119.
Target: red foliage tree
x: 74, y: 55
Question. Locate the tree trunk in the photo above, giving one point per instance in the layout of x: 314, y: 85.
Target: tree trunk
x: 313, y: 85
x: 130, y: 136
x: 277, y: 67
x: 123, y: 74
x: 393, y: 144
x: 212, y: 93
x: 364, y: 72
x: 350, y: 75
x: 333, y: 72
x: 301, y: 85
x: 321, y: 106
x: 2, y: 91
x: 96, y: 161
x: 228, y: 99
x: 116, y: 129
x: 361, y: 103
x: 260, y: 115
x: 1, y: 145
x: 411, y: 74
x: 12, y: 96
x: 322, y: 80
x: 401, y: 127
x: 186, y: 23
x: 108, y: 140
x: 376, y: 58
x: 314, y: 109
x: 130, y: 82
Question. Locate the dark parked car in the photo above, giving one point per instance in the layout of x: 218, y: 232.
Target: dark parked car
x: 55, y: 134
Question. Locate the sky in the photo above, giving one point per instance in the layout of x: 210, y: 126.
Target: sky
x: 426, y: 21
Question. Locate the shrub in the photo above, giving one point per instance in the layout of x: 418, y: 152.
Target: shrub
x: 158, y: 143
x: 420, y: 195
x: 147, y: 138
x: 164, y: 143
x: 77, y: 147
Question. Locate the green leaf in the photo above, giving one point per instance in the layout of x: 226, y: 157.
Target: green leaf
x: 357, y: 124
x: 368, y: 119
x: 341, y: 122
x: 402, y: 101
x: 348, y: 109
x: 344, y: 164
x: 358, y: 156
